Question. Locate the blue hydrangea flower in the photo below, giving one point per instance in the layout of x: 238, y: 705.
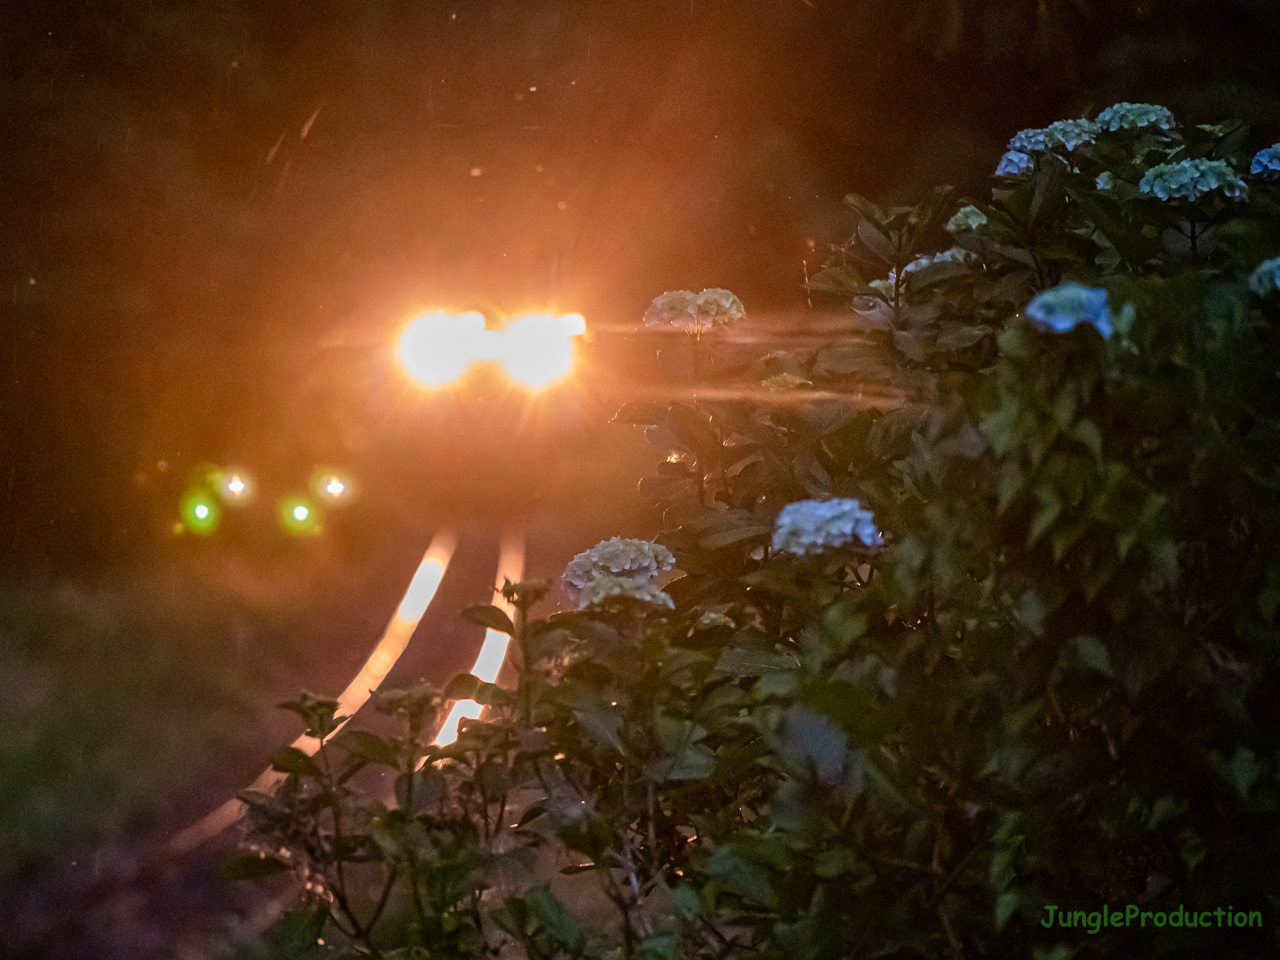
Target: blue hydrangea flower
x: 1266, y: 163
x: 967, y: 217
x: 811, y: 526
x: 1070, y: 133
x: 617, y: 567
x: 1266, y: 277
x: 1106, y: 180
x: 1135, y: 116
x: 1068, y: 305
x: 1192, y: 179
x: 1015, y: 163
x: 1028, y: 141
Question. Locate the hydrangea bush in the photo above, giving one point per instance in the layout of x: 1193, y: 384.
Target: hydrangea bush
x: 974, y: 612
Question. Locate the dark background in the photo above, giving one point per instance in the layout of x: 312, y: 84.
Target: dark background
x: 217, y: 215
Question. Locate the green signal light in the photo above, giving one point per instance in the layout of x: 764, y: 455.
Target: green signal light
x: 199, y: 512
x: 299, y: 516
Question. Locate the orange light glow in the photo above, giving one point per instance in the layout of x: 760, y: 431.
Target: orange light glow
x: 436, y: 348
x: 422, y: 588
x: 494, y: 650
x: 534, y: 350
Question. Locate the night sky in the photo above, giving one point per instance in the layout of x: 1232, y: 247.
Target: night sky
x: 217, y: 215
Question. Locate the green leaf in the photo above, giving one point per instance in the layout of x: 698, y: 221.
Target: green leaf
x: 909, y: 345
x: 462, y: 687
x: 876, y: 240
x: 958, y: 336
x: 298, y: 930
x: 601, y: 725
x: 842, y: 279
x: 868, y: 209
x: 366, y: 746
x: 545, y: 908
x: 293, y: 760
x: 494, y: 618
x: 752, y: 663
x: 1089, y: 652
x: 1242, y: 771
x: 812, y: 745
x: 1007, y: 904
x: 247, y: 865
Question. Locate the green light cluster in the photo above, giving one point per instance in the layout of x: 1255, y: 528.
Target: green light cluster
x: 200, y: 512
x: 299, y: 516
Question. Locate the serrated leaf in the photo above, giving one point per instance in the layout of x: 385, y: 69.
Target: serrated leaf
x: 490, y: 617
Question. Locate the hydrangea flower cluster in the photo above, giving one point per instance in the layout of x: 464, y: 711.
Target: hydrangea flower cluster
x: 1015, y: 163
x: 618, y: 568
x: 1266, y: 163
x: 1068, y: 305
x: 1265, y: 278
x: 967, y: 217
x: 686, y: 310
x: 1192, y: 179
x: 1135, y: 116
x: 811, y: 526
x: 1067, y: 134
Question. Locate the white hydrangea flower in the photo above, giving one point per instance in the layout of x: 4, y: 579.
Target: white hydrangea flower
x: 719, y: 306
x: 1265, y: 278
x: 967, y: 217
x: 1192, y: 179
x: 1135, y: 116
x: 598, y: 572
x: 686, y: 310
x: 1106, y: 181
x: 1266, y: 163
x: 1067, y: 305
x: 811, y: 526
x: 605, y: 588
x: 1015, y: 163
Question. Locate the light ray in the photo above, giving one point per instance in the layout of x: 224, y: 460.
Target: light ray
x: 422, y: 588
x: 494, y: 650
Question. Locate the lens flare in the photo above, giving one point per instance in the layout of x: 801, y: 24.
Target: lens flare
x: 332, y: 487
x: 234, y: 487
x: 299, y: 517
x: 535, y: 350
x: 436, y: 348
x: 199, y: 512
